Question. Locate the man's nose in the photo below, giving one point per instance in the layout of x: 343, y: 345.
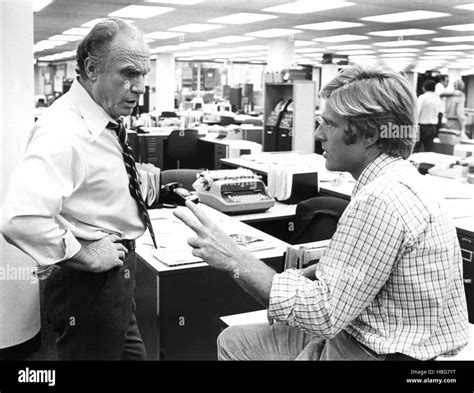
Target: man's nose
x: 139, y: 85
x: 318, y: 134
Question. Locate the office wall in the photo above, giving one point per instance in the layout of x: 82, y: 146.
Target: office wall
x: 19, y: 295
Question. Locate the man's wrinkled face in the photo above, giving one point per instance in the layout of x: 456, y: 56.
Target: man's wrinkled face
x: 118, y: 85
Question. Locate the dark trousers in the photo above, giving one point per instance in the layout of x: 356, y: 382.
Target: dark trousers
x: 93, y: 313
x: 427, y: 134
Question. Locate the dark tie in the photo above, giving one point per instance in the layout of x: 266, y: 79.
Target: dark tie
x: 133, y: 184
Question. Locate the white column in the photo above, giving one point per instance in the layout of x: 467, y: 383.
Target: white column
x: 454, y: 75
x: 328, y: 73
x: 19, y: 298
x: 165, y: 82
x: 280, y: 54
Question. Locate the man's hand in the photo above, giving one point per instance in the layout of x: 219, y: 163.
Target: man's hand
x: 212, y: 244
x: 98, y: 256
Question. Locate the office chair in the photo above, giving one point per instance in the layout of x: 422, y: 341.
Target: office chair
x: 183, y: 148
x: 184, y: 176
x: 168, y: 114
x: 227, y: 120
x: 316, y: 218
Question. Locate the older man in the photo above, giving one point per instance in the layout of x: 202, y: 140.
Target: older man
x: 73, y: 206
x: 389, y: 286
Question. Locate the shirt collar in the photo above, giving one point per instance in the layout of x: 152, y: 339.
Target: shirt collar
x: 375, y: 169
x: 92, y: 113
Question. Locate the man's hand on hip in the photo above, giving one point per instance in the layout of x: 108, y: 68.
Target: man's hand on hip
x: 98, y: 256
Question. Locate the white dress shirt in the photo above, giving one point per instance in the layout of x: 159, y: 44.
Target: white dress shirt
x: 391, y: 276
x: 429, y: 105
x: 71, y: 184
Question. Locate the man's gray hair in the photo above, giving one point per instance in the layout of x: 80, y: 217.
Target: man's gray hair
x: 96, y: 44
x: 371, y: 99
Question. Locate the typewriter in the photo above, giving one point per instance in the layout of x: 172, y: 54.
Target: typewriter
x: 233, y: 191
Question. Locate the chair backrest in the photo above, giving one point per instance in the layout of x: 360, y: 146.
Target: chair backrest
x: 317, y: 218
x: 169, y: 114
x: 184, y: 176
x: 183, y: 144
x: 227, y: 120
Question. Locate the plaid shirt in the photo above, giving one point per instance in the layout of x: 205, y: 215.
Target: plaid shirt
x: 391, y: 275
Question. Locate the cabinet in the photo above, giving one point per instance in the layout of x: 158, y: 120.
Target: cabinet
x: 285, y: 132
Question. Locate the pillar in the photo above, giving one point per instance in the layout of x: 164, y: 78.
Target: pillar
x: 165, y: 82
x: 19, y: 304
x: 280, y: 54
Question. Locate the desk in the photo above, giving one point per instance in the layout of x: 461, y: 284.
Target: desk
x: 178, y: 308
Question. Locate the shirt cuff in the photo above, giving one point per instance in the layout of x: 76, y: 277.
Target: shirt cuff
x: 283, y: 295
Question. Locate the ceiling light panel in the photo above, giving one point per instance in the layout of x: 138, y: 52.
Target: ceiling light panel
x: 141, y: 11
x: 308, y: 50
x: 81, y: 31
x: 269, y: 33
x: 465, y: 38
x: 176, y: 2
x: 469, y: 6
x: 65, y: 37
x: 451, y: 47
x: 307, y: 6
x: 195, y: 28
x: 38, y: 5
x: 329, y: 25
x: 299, y: 43
x: 400, y: 43
x: 399, y: 50
x: 350, y: 47
x: 401, y: 32
x: 242, y: 18
x: 93, y: 22
x: 229, y: 39
x: 405, y: 16
x: 162, y: 35
x: 357, y: 52
x: 342, y: 38
x: 465, y: 27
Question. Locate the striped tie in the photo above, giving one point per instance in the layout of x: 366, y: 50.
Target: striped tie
x: 134, y: 184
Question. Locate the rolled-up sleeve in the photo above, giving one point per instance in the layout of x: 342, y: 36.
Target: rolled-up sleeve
x: 50, y: 172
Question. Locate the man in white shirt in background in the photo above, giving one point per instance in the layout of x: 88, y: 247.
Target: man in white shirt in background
x: 441, y: 89
x: 429, y: 109
x: 389, y: 285
x: 70, y: 207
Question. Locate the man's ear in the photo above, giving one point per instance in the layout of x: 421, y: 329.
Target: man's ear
x: 371, y: 140
x: 91, y: 69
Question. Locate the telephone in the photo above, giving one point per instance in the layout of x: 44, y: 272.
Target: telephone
x: 174, y: 194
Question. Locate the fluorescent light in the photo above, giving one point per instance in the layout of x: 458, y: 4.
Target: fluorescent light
x: 177, y: 2
x: 197, y: 44
x: 405, y: 16
x: 469, y: 6
x: 195, y: 27
x: 465, y: 38
x: 252, y: 47
x: 397, y: 55
x: 303, y: 43
x: 357, y: 52
x: 165, y: 48
x: 140, y: 11
x: 400, y: 43
x: 229, y: 39
x: 329, y: 25
x: 81, y: 31
x: 308, y: 50
x: 399, y: 50
x: 466, y: 27
x: 350, y: 47
x: 342, y: 38
x: 401, y: 32
x: 451, y: 53
x: 64, y: 37
x: 93, y: 22
x: 268, y: 33
x: 242, y: 18
x: 307, y: 6
x: 451, y: 47
x: 439, y: 57
x: 162, y: 35
x: 38, y: 5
